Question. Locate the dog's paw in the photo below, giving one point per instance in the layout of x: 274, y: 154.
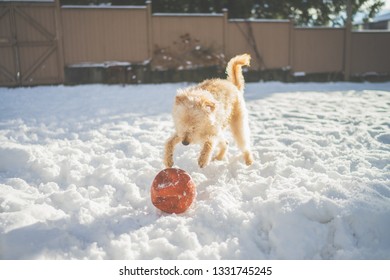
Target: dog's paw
x: 248, y: 158
x: 202, y: 162
x: 218, y: 157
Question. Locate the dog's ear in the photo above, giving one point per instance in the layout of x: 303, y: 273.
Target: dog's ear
x: 181, y: 99
x: 208, y: 105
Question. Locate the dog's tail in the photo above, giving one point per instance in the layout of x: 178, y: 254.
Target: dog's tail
x: 234, y: 70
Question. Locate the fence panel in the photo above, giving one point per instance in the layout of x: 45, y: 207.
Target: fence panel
x: 207, y: 29
x: 29, y: 44
x: 271, y: 39
x: 370, y: 53
x: 38, y: 38
x: 318, y: 50
x: 8, y: 67
x: 104, y: 34
x: 37, y: 41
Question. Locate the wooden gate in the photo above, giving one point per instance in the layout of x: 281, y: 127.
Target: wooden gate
x: 29, y: 46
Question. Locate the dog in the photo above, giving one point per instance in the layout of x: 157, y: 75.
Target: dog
x: 202, y: 112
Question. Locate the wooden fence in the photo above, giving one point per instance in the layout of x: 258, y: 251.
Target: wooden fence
x: 30, y: 46
x: 38, y: 40
x: 97, y: 35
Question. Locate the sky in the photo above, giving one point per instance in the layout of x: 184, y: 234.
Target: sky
x: 387, y: 5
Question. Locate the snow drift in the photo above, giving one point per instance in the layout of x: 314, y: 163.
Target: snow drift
x: 77, y: 163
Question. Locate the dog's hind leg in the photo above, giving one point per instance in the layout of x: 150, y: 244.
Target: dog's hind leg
x: 222, y: 145
x: 241, y: 133
x: 169, y: 148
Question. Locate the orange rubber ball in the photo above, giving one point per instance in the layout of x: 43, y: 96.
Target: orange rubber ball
x: 173, y: 190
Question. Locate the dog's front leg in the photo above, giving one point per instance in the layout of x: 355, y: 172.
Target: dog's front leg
x: 205, y: 154
x: 169, y: 148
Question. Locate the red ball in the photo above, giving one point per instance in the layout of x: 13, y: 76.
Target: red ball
x: 173, y: 190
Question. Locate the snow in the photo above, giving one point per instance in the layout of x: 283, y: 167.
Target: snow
x: 102, y: 6
x: 77, y: 163
x: 105, y: 64
x: 259, y: 20
x: 299, y: 74
x: 188, y: 14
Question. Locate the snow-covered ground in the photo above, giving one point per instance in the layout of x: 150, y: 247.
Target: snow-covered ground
x: 77, y: 163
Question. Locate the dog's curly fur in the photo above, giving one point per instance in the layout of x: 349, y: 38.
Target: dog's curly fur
x: 202, y: 112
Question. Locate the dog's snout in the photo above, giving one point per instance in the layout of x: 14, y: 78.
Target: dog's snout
x: 185, y: 142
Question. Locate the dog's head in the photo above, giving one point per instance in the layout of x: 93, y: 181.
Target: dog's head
x: 193, y: 114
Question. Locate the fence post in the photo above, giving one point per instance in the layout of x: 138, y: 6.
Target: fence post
x: 59, y: 38
x: 348, y: 42
x: 291, y: 45
x: 150, y: 28
x: 225, y: 32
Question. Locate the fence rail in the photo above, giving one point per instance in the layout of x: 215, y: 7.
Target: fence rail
x: 38, y: 40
